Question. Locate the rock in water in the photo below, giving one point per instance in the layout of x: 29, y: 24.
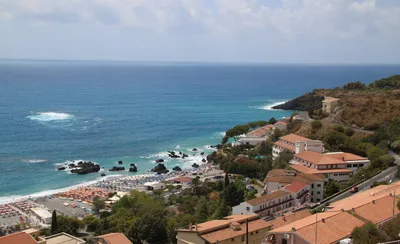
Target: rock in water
x: 133, y: 168
x: 61, y: 168
x: 85, y: 168
x: 120, y: 162
x: 202, y: 153
x: 116, y: 168
x: 177, y: 168
x: 103, y: 174
x: 160, y: 160
x: 194, y: 150
x: 160, y: 169
x: 195, y: 165
x: 203, y: 160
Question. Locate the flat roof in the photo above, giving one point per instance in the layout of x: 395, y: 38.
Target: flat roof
x: 293, y: 138
x: 42, y: 212
x: 63, y: 238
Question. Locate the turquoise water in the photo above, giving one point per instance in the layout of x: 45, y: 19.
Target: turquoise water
x: 52, y: 112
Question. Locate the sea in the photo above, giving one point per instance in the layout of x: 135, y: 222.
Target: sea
x: 53, y: 112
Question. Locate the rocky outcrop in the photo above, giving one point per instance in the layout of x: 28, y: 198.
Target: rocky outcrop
x: 62, y: 168
x: 160, y: 169
x: 184, y: 156
x: 160, y: 160
x: 202, y: 153
x: 116, y: 168
x: 85, y: 168
x: 172, y: 154
x: 133, y: 168
x: 211, y: 157
x: 120, y: 162
x: 307, y: 102
x: 194, y: 149
x: 195, y: 165
x: 103, y: 174
x: 177, y: 168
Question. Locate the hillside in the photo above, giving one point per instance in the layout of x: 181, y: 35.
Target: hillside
x: 363, y: 107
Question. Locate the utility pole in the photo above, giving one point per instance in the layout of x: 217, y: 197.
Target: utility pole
x: 316, y: 226
x: 247, y: 231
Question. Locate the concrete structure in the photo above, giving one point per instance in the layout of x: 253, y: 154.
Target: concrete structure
x: 280, y: 178
x: 329, y: 104
x: 256, y: 136
x: 43, y: 214
x: 231, y: 229
x: 154, y: 185
x: 113, y: 238
x: 295, y: 144
x: 185, y: 181
x: 336, y: 166
x: 63, y: 238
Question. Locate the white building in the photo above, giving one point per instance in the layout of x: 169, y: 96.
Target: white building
x: 295, y: 144
x: 277, y: 179
x: 256, y: 136
x: 43, y: 214
x: 154, y: 185
x: 336, y: 166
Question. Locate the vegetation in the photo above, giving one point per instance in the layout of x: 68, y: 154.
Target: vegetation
x: 98, y: 204
x: 367, y: 234
x: 356, y: 85
x: 316, y: 124
x: 330, y: 188
x: 54, y: 226
x: 392, y: 82
x: 66, y: 224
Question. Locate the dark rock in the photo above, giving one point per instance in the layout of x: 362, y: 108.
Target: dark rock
x: 62, y: 168
x: 120, y: 162
x: 71, y: 165
x: 160, y: 160
x: 173, y: 156
x: 103, y: 174
x: 116, y: 168
x: 133, y: 168
x: 160, y: 169
x: 177, y: 168
x: 180, y: 152
x: 195, y: 165
x: 194, y: 150
x: 86, y: 168
x: 307, y: 102
x: 202, y: 153
x: 185, y: 156
x: 203, y: 160
x: 132, y: 165
x: 211, y: 157
x: 80, y: 163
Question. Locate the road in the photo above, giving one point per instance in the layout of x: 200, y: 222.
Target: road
x: 388, y: 174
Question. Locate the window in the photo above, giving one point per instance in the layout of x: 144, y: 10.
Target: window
x: 349, y: 166
x: 312, y: 186
x: 354, y: 165
x: 247, y: 208
x: 319, y: 185
x: 318, y: 192
x: 242, y: 238
x: 233, y: 239
x: 361, y: 165
x: 256, y: 231
x: 318, y: 199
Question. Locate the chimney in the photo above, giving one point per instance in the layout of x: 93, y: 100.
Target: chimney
x: 373, y: 201
x: 343, y: 159
x: 323, y: 220
x: 284, y: 219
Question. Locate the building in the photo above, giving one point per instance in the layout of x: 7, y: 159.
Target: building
x: 336, y: 166
x: 232, y: 229
x: 113, y: 238
x: 280, y: 178
x: 329, y: 104
x: 43, y: 214
x: 18, y: 238
x: 288, y: 218
x: 281, y: 125
x: 296, y: 144
x: 256, y: 136
x: 154, y: 186
x: 185, y: 181
x: 63, y: 238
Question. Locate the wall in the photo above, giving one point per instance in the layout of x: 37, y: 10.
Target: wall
x: 315, y: 189
x: 273, y: 186
x: 294, y: 239
x: 242, y: 208
x: 254, y: 238
x: 339, y: 177
x: 189, y: 238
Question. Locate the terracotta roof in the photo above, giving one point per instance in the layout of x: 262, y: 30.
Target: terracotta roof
x: 278, y: 175
x: 273, y: 195
x: 345, y: 156
x: 229, y: 233
x: 309, y: 177
x: 293, y: 138
x: 306, y: 170
x: 276, y: 172
x: 331, y: 229
x: 296, y: 186
x: 377, y: 211
x: 221, y: 223
x: 286, y: 146
x: 289, y: 218
x: 263, y: 131
x: 318, y: 158
x: 281, y: 122
x: 115, y: 238
x: 17, y: 238
x: 182, y: 179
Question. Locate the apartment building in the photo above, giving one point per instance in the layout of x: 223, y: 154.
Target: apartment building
x: 234, y: 229
x: 296, y: 144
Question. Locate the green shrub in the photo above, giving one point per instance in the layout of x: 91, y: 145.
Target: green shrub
x: 316, y: 124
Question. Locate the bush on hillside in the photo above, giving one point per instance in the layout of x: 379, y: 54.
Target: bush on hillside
x: 316, y: 124
x: 357, y: 85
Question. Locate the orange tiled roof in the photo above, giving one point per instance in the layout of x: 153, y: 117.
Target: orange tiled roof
x: 221, y: 223
x: 273, y: 195
x: 17, y: 238
x: 318, y: 158
x: 286, y: 146
x: 115, y: 238
x: 278, y: 175
x: 306, y: 170
x: 296, y: 186
x: 229, y: 233
x: 290, y: 218
x: 293, y: 138
x: 331, y: 229
x: 378, y: 210
x: 262, y: 131
x: 345, y: 156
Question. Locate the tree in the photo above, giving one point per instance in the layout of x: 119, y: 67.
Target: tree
x: 367, y: 234
x: 316, y: 124
x: 68, y: 225
x: 356, y: 85
x: 152, y: 227
x: 54, y: 222
x: 331, y: 188
x: 282, y: 161
x: 396, y: 146
x: 98, y: 204
x: 222, y: 210
x: 202, y: 210
x: 374, y: 153
x: 226, y: 180
x: 232, y: 195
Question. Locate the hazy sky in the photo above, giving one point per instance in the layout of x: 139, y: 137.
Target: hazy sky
x: 270, y: 31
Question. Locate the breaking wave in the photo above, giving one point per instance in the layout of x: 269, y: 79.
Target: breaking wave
x: 50, y: 116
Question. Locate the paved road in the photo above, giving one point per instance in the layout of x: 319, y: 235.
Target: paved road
x: 387, y: 175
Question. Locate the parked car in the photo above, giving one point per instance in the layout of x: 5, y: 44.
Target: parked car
x: 354, y: 189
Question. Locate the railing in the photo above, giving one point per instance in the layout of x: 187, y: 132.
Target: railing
x: 275, y: 205
x: 303, y: 194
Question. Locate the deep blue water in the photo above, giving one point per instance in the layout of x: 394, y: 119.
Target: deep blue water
x: 51, y: 112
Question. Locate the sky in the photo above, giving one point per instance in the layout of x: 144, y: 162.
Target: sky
x: 254, y: 31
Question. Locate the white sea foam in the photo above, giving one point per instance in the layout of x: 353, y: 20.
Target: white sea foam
x: 15, y: 198
x: 270, y: 105
x: 50, y: 116
x: 178, y: 147
x: 35, y: 161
